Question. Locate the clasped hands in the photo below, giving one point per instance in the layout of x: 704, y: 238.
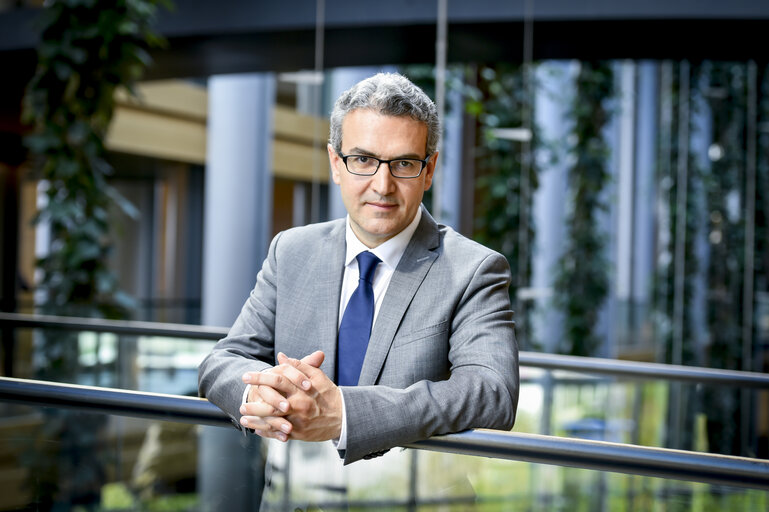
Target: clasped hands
x: 293, y: 400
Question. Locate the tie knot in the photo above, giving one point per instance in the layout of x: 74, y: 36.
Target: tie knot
x: 367, y: 262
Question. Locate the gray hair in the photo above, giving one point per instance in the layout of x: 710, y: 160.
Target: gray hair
x: 390, y: 94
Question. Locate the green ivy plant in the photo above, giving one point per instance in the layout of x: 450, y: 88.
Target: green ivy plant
x: 726, y: 194
x: 762, y: 196
x: 499, y: 99
x: 88, y: 50
x: 582, y: 279
x: 496, y: 97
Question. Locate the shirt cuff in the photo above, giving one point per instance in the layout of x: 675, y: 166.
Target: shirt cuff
x: 341, y: 443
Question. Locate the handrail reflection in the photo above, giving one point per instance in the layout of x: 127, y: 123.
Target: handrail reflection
x: 595, y: 455
x: 591, y: 365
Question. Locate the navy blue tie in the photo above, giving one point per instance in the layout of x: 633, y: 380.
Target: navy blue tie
x: 355, y: 329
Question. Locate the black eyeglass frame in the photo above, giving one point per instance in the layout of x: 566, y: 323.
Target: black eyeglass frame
x: 423, y: 162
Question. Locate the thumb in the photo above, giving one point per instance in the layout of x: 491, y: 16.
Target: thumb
x: 315, y: 359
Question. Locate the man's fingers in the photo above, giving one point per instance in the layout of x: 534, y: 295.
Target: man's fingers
x: 260, y: 408
x: 296, y: 377
x: 271, y: 426
x: 315, y: 359
x: 274, y: 379
x: 271, y: 397
x: 305, y: 368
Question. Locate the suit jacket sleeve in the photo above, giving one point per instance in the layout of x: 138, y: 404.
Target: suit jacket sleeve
x: 249, y: 345
x: 481, y: 390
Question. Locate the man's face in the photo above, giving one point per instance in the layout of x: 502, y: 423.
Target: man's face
x: 381, y: 206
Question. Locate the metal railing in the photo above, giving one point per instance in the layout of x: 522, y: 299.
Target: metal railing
x: 592, y: 365
x: 134, y: 328
x: 595, y: 455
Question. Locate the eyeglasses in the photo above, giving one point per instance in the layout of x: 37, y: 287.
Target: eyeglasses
x: 364, y: 165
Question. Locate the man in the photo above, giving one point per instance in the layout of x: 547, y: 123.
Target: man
x: 441, y: 356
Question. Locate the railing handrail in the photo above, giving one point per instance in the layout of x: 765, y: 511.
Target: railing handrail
x: 643, y: 370
x: 594, y: 455
x: 132, y: 327
x: 592, y: 365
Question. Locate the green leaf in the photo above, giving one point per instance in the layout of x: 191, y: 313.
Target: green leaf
x: 78, y: 132
x: 105, y: 282
x: 67, y: 168
x: 124, y: 204
x: 62, y: 70
x: 78, y: 55
x: 127, y: 27
x: 42, y: 143
x: 142, y: 56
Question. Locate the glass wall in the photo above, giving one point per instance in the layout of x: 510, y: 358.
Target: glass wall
x: 628, y: 195
x: 117, y: 463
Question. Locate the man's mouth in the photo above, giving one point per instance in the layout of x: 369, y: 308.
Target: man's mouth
x: 381, y: 204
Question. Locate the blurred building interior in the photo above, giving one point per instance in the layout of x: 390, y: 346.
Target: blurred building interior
x: 224, y: 145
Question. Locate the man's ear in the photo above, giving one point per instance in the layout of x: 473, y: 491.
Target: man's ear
x: 430, y: 170
x: 335, y: 161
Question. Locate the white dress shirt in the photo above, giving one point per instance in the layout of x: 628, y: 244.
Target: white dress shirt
x: 390, y: 252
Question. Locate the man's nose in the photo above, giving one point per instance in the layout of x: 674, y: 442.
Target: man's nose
x: 383, y: 182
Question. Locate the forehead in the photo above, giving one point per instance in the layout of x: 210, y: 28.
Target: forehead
x: 383, y: 134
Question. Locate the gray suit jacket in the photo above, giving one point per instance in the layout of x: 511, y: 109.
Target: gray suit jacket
x: 442, y: 355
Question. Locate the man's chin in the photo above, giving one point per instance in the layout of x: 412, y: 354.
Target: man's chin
x: 381, y: 231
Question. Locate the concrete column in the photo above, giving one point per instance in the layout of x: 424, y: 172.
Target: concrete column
x: 338, y: 81
x: 556, y: 79
x: 237, y: 230
x: 238, y: 191
x: 647, y: 104
x: 450, y: 166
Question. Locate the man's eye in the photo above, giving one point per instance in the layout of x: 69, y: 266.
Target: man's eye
x: 361, y: 159
x: 404, y: 164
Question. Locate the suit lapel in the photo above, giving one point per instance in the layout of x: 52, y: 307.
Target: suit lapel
x: 328, y: 285
x: 406, y: 280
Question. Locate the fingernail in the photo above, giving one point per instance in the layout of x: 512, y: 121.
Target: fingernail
x: 242, y: 409
x: 282, y: 437
x: 246, y: 378
x: 244, y: 422
x: 306, y: 384
x: 283, y: 406
x: 285, y: 428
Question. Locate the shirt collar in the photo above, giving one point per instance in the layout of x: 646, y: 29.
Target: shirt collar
x: 390, y: 252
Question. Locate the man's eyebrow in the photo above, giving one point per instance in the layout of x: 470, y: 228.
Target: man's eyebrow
x: 360, y: 151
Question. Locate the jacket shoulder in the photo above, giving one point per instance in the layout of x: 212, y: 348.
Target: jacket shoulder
x: 309, y: 234
x: 455, y: 244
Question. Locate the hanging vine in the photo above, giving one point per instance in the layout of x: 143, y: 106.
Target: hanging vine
x: 496, y: 98
x: 88, y: 50
x: 505, y: 180
x: 582, y: 280
x: 724, y: 186
x: 762, y: 209
x: 727, y: 195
